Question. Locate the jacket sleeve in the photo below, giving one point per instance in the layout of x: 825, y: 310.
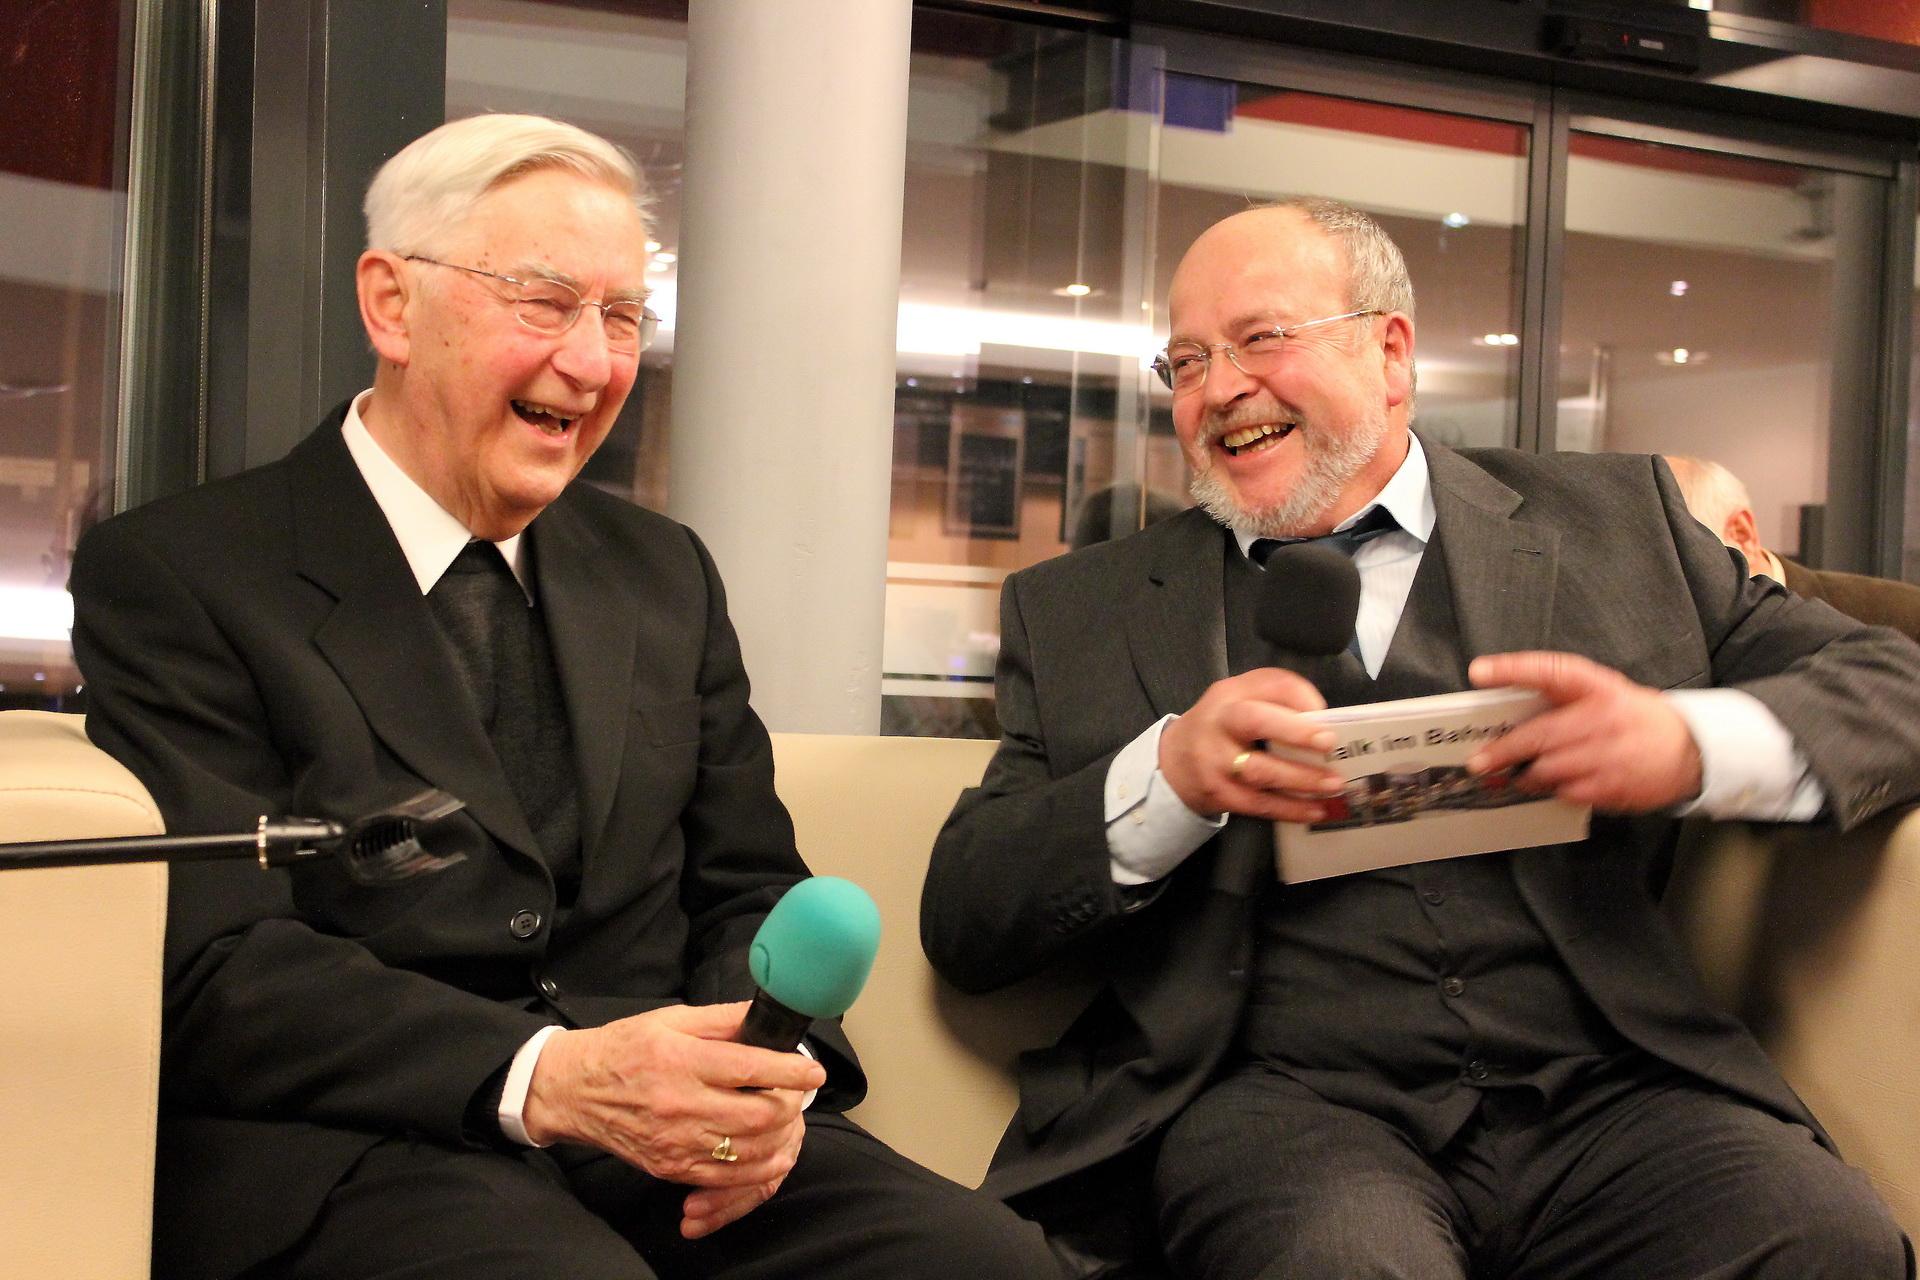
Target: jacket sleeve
x: 264, y: 1016
x: 1848, y: 693
x: 1020, y: 875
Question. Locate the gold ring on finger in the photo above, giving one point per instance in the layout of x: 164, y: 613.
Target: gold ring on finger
x: 1239, y: 763
x: 723, y: 1151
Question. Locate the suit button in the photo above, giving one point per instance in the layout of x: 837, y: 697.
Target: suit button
x: 1478, y: 1070
x: 549, y: 988
x: 1434, y: 897
x: 1453, y: 986
x: 524, y: 924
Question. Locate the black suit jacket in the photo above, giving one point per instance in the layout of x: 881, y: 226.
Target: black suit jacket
x: 259, y: 645
x: 1878, y: 602
x: 1596, y: 555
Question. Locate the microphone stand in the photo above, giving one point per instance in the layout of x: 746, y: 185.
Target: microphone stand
x: 271, y: 844
x: 408, y: 839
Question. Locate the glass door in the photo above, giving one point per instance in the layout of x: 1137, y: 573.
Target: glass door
x: 1724, y: 299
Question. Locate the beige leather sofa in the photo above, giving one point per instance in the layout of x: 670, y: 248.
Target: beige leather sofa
x: 80, y: 1021
x: 1813, y: 939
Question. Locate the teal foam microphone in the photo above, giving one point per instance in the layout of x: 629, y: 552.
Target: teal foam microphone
x: 811, y: 957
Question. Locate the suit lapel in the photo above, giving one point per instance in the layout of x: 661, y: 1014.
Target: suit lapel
x: 1503, y: 569
x: 1501, y: 566
x: 592, y: 617
x: 1180, y: 613
x: 382, y: 640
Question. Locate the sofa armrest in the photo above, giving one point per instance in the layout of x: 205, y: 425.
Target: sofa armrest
x: 1813, y: 939
x: 80, y: 1024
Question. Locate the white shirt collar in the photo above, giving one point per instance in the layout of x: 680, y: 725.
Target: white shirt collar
x: 1407, y: 496
x: 430, y: 537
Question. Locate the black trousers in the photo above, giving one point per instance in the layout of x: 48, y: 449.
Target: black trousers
x: 851, y: 1207
x: 1664, y: 1178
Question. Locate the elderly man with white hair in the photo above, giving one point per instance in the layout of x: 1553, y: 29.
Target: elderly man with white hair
x: 524, y: 1065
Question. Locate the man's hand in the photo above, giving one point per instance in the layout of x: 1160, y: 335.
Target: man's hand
x: 662, y: 1088
x: 1213, y: 758
x: 1605, y: 742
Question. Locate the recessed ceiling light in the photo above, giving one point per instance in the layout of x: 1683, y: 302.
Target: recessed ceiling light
x: 1678, y: 288
x: 666, y: 255
x: 1456, y: 220
x: 653, y: 246
x: 913, y: 382
x: 1681, y: 356
x: 1074, y: 290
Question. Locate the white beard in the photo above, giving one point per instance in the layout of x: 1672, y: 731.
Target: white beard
x: 1333, y: 459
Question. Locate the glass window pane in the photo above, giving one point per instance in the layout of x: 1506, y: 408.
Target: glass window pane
x: 1703, y: 311
x: 622, y: 75
x: 1021, y: 340
x: 1450, y: 189
x: 64, y: 108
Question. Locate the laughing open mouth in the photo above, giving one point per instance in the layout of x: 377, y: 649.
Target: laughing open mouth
x: 1253, y: 439
x: 548, y: 419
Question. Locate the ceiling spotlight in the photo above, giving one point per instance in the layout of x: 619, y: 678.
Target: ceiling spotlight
x: 1681, y: 355
x: 913, y: 382
x: 666, y: 256
x: 653, y: 246
x: 1074, y: 290
x: 1678, y: 288
x: 1456, y: 220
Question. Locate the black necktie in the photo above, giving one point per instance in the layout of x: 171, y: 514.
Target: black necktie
x: 502, y: 651
x: 1373, y: 524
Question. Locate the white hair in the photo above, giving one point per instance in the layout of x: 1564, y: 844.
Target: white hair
x: 1712, y: 492
x: 433, y: 183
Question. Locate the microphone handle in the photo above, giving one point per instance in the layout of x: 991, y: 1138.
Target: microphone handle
x: 771, y: 1025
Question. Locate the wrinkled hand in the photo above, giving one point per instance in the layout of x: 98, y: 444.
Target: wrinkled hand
x: 660, y: 1089
x: 1237, y: 715
x: 1605, y: 742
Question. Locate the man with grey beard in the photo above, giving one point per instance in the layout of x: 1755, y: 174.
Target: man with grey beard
x: 1497, y: 1066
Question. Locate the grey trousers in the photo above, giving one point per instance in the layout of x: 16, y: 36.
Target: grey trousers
x: 1667, y: 1180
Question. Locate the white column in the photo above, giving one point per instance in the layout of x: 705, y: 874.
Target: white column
x: 789, y: 285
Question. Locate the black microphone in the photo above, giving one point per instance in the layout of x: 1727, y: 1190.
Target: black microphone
x: 415, y: 836
x: 1308, y: 600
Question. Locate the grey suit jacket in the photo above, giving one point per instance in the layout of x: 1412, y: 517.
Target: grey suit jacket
x: 1878, y: 602
x: 259, y: 645
x: 1591, y: 554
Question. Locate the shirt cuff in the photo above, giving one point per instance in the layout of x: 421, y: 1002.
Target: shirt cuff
x: 1751, y: 769
x: 513, y: 1095
x: 1150, y: 830
x: 807, y: 1101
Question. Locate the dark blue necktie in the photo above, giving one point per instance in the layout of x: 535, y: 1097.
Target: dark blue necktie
x: 1377, y: 521
x: 1373, y: 524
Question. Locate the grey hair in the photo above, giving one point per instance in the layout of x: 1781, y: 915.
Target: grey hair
x: 433, y: 183
x: 1377, y: 277
x: 1712, y: 492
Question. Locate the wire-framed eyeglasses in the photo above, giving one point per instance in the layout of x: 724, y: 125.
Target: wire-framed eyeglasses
x: 548, y: 306
x: 1183, y: 365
